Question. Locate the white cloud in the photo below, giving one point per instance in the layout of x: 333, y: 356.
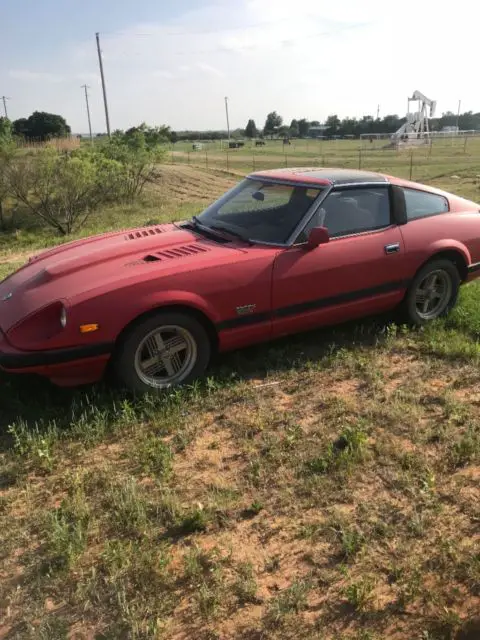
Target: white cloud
x: 210, y: 69
x: 163, y: 73
x: 34, y: 76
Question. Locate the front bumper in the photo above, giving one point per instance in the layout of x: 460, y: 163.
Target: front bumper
x: 67, y: 367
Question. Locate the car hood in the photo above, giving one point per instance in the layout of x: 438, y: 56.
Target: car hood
x: 103, y: 262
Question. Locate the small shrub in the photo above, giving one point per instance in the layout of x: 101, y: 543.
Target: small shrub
x: 346, y: 451
x: 466, y: 449
x: 153, y: 456
x: 245, y: 585
x: 359, y: 594
x: 65, y: 531
x: 35, y: 444
x: 193, y: 522
x: 127, y: 508
x: 63, y: 189
x: 293, y: 599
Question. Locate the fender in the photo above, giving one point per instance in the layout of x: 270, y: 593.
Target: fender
x: 450, y: 245
x: 171, y: 298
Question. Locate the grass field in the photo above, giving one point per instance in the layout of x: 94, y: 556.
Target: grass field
x: 421, y: 163
x: 323, y: 486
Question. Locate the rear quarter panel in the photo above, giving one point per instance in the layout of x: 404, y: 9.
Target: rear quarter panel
x: 425, y: 237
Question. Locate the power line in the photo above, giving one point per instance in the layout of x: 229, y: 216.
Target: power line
x: 104, y: 89
x: 4, y: 98
x: 84, y: 86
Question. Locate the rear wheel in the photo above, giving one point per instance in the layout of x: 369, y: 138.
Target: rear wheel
x: 433, y: 292
x: 162, y: 351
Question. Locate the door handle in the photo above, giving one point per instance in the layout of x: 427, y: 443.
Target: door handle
x: 392, y: 248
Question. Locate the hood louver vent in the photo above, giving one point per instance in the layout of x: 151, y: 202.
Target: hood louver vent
x: 176, y: 252
x: 145, y: 233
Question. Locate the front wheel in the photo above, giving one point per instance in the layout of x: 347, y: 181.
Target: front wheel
x: 162, y: 351
x: 433, y: 292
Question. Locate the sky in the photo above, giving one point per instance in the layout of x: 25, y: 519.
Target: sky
x: 173, y: 61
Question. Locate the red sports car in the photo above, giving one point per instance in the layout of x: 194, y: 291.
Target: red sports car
x: 281, y: 252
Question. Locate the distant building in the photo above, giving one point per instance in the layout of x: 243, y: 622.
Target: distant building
x: 451, y: 129
x: 317, y: 131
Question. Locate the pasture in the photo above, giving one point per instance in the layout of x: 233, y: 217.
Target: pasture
x: 324, y: 486
x: 445, y: 156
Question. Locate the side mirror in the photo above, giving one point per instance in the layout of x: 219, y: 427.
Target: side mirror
x: 317, y: 236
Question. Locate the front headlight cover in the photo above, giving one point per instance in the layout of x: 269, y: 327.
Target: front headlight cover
x: 63, y: 317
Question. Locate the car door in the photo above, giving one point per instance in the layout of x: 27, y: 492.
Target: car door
x: 361, y: 270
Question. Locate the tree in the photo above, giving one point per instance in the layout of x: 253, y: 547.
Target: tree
x: 144, y: 135
x: 42, y: 126
x: 251, y: 129
x: 303, y: 127
x: 272, y: 123
x: 20, y: 127
x: 333, y: 124
x: 293, y: 129
x: 138, y: 151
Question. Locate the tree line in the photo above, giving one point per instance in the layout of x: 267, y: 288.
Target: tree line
x: 333, y: 126
x: 43, y: 126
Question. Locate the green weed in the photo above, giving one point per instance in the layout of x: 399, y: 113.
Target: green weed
x: 359, y: 594
x: 293, y: 599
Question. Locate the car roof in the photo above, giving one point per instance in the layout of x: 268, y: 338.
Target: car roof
x: 321, y: 176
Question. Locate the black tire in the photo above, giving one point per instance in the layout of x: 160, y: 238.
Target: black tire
x: 128, y: 363
x: 448, y: 274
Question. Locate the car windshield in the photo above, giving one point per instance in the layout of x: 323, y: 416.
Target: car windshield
x: 259, y: 210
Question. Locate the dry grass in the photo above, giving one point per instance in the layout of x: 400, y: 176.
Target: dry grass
x: 325, y: 486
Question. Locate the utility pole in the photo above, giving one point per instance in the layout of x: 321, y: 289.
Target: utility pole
x: 228, y: 122
x: 4, y: 98
x: 100, y: 62
x: 458, y: 115
x: 378, y: 111
x: 84, y: 86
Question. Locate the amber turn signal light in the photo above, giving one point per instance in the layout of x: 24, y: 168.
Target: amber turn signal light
x: 88, y: 328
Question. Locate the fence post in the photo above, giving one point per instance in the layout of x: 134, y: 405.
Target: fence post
x: 173, y: 158
x: 430, y: 147
x: 411, y: 164
x: 465, y: 145
x: 206, y: 159
x: 188, y: 157
x: 227, y: 162
x: 360, y: 157
x: 286, y: 161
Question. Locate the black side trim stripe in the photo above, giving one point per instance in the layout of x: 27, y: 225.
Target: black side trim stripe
x: 319, y: 303
x: 474, y: 267
x: 342, y: 298
x: 243, y: 321
x: 57, y: 356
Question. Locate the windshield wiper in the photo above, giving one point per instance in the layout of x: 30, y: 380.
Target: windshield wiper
x: 196, y: 224
x: 237, y: 234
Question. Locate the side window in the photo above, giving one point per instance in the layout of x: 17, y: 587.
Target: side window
x: 352, y: 211
x: 420, y: 204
